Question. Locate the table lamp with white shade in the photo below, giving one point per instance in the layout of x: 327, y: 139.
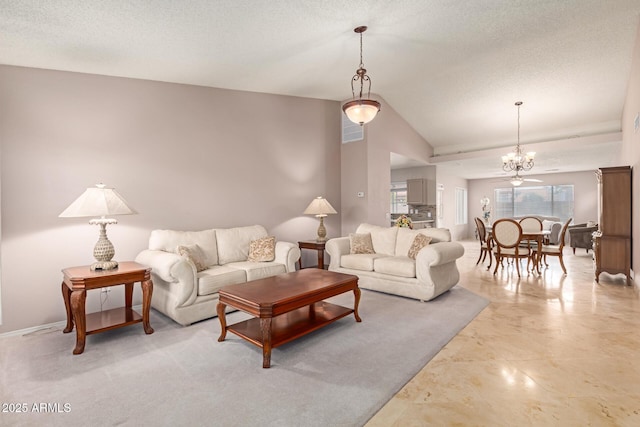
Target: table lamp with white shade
x: 320, y: 207
x: 100, y: 202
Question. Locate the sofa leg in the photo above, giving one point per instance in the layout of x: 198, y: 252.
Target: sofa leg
x: 574, y: 250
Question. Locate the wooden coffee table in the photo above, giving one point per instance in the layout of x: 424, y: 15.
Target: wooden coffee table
x: 286, y: 306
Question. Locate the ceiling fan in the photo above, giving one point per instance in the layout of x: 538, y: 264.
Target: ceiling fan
x: 516, y: 180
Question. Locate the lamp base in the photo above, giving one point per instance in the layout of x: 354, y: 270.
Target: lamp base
x: 104, y: 265
x: 103, y: 252
x: 322, y: 231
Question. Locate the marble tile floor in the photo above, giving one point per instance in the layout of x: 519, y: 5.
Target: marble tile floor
x: 549, y: 350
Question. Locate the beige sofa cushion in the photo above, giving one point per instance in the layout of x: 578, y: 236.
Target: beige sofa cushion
x: 258, y: 270
x: 233, y: 243
x: 396, y: 266
x: 214, y: 278
x: 362, y: 262
x: 437, y: 234
x: 383, y: 238
x: 169, y: 240
x: 405, y: 239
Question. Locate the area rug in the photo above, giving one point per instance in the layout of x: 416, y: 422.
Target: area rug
x: 340, y: 375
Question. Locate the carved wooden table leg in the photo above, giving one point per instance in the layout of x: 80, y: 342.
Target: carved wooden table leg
x: 223, y: 321
x: 356, y: 303
x: 128, y: 294
x: 78, y: 299
x: 66, y: 296
x: 147, y: 292
x: 265, y: 326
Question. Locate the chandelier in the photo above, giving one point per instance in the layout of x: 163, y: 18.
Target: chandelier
x: 361, y: 110
x: 517, y: 160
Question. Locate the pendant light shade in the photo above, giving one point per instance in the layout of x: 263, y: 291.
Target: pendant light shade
x: 361, y: 110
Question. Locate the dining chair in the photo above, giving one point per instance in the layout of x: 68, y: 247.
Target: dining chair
x: 507, y: 235
x: 531, y: 223
x: 485, y: 244
x: 556, y: 250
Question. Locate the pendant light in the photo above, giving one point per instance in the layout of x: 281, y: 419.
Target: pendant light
x: 361, y: 110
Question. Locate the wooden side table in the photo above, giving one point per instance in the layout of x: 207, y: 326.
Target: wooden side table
x: 78, y: 280
x: 317, y: 246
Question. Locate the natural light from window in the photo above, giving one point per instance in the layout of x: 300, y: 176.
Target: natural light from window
x: 543, y: 200
x: 461, y: 206
x: 399, y: 197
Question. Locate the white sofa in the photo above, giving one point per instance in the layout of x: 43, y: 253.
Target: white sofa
x: 187, y: 295
x: 390, y: 269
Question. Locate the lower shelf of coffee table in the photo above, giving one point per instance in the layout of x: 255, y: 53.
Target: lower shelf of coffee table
x: 294, y: 324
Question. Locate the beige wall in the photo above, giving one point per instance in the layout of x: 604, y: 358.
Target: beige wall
x: 185, y: 157
x: 631, y: 145
x: 366, y: 167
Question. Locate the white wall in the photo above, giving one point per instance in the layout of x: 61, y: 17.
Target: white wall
x: 185, y: 157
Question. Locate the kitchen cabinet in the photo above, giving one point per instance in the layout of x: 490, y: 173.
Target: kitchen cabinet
x: 421, y: 192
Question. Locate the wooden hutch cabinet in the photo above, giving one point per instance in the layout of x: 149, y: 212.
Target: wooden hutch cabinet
x: 612, y: 241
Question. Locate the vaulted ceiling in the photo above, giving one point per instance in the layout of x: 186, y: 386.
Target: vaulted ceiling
x: 452, y: 69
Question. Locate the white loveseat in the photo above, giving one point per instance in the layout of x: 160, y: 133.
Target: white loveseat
x: 187, y: 295
x: 391, y: 270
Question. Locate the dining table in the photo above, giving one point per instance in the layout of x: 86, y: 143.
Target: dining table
x: 538, y: 236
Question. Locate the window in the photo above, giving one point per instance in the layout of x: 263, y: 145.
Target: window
x: 461, y: 206
x: 399, y: 197
x: 546, y: 200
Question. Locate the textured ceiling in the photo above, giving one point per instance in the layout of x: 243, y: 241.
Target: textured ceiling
x: 452, y: 69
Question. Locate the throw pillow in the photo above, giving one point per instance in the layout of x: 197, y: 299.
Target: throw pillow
x: 419, y: 242
x: 194, y: 254
x: 262, y: 250
x: 361, y: 243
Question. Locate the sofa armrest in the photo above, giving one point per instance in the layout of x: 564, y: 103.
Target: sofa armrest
x: 178, y: 272
x: 161, y: 263
x: 440, y: 253
x: 337, y: 247
x: 288, y: 254
x: 436, y: 265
